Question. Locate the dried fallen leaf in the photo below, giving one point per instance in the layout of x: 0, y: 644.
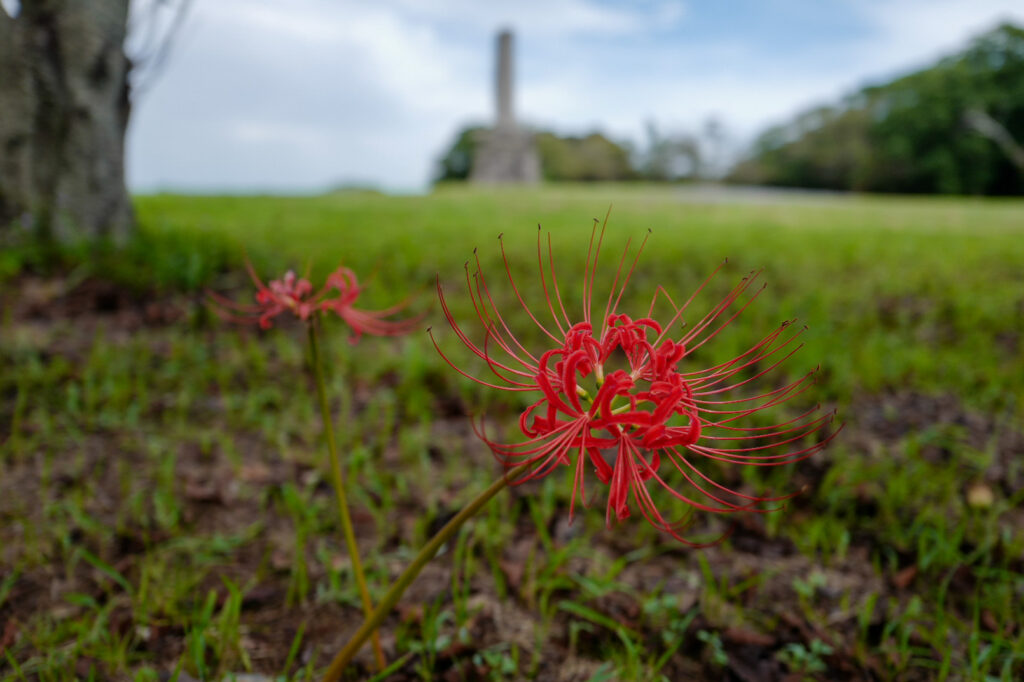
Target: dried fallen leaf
x: 513, y: 571
x: 980, y: 496
x: 257, y: 473
x: 281, y: 559
x: 203, y: 491
x: 988, y: 619
x: 904, y: 577
x: 7, y: 639
x: 747, y: 637
x: 410, y: 613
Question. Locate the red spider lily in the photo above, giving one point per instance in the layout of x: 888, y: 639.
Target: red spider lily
x: 615, y: 399
x: 295, y: 295
x: 373, y: 322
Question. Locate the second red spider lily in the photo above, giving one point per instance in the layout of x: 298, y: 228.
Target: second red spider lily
x: 295, y: 295
x: 619, y: 396
x: 360, y: 321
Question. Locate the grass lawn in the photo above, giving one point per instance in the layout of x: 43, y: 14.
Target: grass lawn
x: 165, y: 500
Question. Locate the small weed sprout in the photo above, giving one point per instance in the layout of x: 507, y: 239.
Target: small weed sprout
x: 807, y: 660
x: 807, y: 589
x: 715, y: 650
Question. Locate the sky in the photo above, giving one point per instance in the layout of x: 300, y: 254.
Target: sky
x: 307, y: 95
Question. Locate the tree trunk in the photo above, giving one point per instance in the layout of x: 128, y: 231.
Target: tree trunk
x: 64, y: 110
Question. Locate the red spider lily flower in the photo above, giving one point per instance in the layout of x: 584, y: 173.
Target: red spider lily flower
x: 288, y: 294
x: 616, y: 395
x: 373, y: 322
x: 292, y: 294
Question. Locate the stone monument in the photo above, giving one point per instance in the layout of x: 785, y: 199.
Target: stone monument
x: 506, y: 153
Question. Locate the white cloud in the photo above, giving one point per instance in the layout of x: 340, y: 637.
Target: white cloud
x: 909, y: 33
x: 314, y: 76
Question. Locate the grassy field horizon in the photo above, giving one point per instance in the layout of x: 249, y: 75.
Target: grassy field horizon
x: 949, y: 268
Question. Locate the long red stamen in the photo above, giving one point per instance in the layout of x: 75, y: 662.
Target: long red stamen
x: 651, y: 411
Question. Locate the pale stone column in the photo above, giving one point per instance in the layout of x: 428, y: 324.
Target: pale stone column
x: 503, y: 81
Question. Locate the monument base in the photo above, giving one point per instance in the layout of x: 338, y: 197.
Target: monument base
x: 506, y: 155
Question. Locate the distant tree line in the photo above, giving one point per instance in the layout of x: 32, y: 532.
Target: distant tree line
x: 953, y: 128
x: 596, y: 158
x: 956, y: 127
x: 592, y: 157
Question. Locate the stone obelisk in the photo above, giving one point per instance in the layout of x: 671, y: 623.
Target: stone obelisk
x: 505, y: 153
x: 503, y: 81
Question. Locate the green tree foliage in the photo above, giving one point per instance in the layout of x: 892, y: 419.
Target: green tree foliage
x: 592, y: 157
x: 910, y: 135
x: 457, y: 163
x: 670, y: 157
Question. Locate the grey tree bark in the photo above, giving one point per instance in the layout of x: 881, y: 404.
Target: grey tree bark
x: 64, y: 107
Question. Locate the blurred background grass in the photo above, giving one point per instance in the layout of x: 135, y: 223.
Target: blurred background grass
x: 898, y: 293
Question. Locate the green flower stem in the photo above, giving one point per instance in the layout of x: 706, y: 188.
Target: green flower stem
x: 339, y: 488
x: 345, y: 656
